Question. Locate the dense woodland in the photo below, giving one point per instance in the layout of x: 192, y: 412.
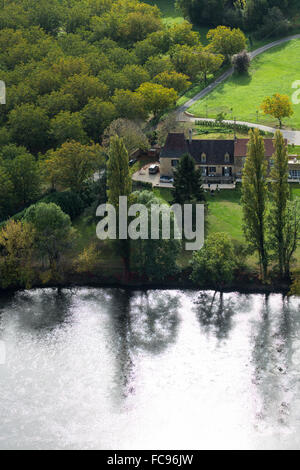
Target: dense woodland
x: 266, y: 18
x: 71, y: 68
x: 87, y: 82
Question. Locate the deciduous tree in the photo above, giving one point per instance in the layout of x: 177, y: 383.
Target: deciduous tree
x: 254, y: 198
x: 72, y: 164
x: 226, y: 41
x: 279, y: 196
x: 17, y: 244
x: 215, y: 263
x: 157, y: 98
x: 53, y: 229
x: 279, y: 106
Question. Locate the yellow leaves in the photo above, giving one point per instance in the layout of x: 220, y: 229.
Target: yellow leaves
x: 295, y: 287
x: 88, y: 260
x: 16, y: 246
x: 278, y: 106
x: 16, y: 237
x: 73, y: 163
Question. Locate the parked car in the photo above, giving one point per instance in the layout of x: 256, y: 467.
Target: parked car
x: 166, y: 179
x: 132, y: 162
x: 153, y: 169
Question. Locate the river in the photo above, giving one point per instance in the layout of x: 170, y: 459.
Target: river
x: 114, y: 369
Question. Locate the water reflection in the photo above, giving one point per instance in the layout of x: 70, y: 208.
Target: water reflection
x: 109, y: 368
x: 215, y: 311
x: 155, y: 320
x: 275, y: 340
x: 144, y: 320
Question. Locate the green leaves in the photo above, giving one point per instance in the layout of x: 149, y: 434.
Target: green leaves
x: 215, y: 263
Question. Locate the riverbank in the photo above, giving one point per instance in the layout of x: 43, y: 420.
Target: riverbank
x: 245, y: 285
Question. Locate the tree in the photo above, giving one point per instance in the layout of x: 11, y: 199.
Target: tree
x: 97, y: 115
x: 17, y: 243
x: 295, y: 287
x: 158, y: 64
x: 73, y: 163
x: 118, y: 176
x: 254, y: 198
x: 129, y: 104
x: 29, y: 126
x: 136, y: 75
x: 167, y: 125
x: 131, y: 133
x: 273, y: 17
x: 24, y: 175
x: 185, y: 60
x: 155, y: 259
x: 215, y: 263
x: 278, y: 106
x: 209, y: 63
x: 279, y: 195
x: 119, y: 184
x: 57, y: 101
x: 292, y: 233
x: 6, y: 192
x: 138, y: 25
x: 203, y: 12
x: 67, y: 126
x: 241, y: 62
x: 226, y: 41
x: 177, y: 81
x: 157, y: 98
x: 48, y: 14
x: 83, y: 87
x: 188, y: 185
x: 182, y: 33
x: 53, y: 229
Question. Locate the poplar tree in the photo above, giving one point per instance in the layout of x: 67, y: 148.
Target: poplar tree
x: 119, y: 184
x: 254, y: 197
x: 280, y: 195
x: 118, y: 177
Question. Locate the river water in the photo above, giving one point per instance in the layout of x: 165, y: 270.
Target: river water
x: 113, y: 369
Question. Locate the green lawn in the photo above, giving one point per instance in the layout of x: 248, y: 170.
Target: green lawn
x: 294, y: 150
x: 225, y: 215
x: 170, y: 14
x: 272, y: 72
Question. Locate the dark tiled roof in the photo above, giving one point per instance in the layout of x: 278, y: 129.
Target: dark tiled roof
x: 240, y: 148
x: 176, y: 145
x: 215, y: 151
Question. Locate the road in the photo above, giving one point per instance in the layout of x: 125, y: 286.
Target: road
x: 292, y: 136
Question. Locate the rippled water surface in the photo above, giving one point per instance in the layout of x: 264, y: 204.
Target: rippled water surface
x: 110, y: 369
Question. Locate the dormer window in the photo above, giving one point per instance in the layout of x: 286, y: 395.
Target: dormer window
x: 227, y: 157
x: 203, y: 158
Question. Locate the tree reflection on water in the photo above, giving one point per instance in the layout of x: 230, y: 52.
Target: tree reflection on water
x: 215, y: 311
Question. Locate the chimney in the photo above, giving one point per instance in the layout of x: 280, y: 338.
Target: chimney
x: 190, y: 135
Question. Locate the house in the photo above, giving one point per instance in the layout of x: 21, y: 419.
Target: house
x: 221, y: 161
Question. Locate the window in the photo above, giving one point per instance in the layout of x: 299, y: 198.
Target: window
x: 227, y: 157
x: 212, y: 169
x: 204, y: 171
x: 203, y: 158
x: 174, y: 163
x: 295, y: 174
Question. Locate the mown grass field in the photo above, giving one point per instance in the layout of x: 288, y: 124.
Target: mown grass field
x: 241, y: 96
